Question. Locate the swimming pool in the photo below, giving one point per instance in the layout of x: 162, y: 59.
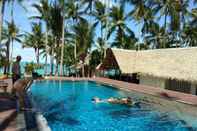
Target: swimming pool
x: 67, y: 105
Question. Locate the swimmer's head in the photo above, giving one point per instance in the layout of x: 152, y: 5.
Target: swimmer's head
x: 129, y: 98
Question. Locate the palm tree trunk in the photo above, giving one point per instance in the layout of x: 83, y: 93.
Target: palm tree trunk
x: 56, y: 68
x: 1, y: 16
x: 12, y: 47
x: 12, y: 10
x: 38, y: 56
x: 6, y: 69
x: 101, y: 31
x: 51, y: 62
x: 62, y: 50
x: 165, y: 23
x: 75, y: 50
x: 46, y: 49
x: 83, y: 70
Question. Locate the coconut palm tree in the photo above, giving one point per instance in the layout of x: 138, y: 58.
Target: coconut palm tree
x: 90, y: 5
x: 2, y: 10
x: 194, y: 17
x: 119, y: 26
x: 55, y: 22
x: 74, y: 11
x: 157, y: 38
x: 100, y: 15
x: 10, y: 34
x: 35, y: 40
x: 2, y: 55
x: 44, y: 10
x: 83, y: 33
x: 63, y: 11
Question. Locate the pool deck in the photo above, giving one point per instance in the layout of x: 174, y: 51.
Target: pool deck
x: 10, y: 119
x: 154, y: 91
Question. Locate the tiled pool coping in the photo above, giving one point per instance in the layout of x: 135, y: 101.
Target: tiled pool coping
x: 154, y: 91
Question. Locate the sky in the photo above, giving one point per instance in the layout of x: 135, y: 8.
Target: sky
x: 24, y: 24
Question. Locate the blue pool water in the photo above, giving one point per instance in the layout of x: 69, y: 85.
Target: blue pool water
x: 67, y: 106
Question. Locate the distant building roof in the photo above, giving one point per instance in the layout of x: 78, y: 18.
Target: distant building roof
x: 172, y: 63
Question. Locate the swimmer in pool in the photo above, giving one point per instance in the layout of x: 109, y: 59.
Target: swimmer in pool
x: 97, y: 100
x: 127, y: 101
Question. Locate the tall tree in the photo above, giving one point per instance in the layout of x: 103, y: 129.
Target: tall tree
x: 56, y: 19
x: 35, y: 40
x: 74, y: 12
x: 63, y: 11
x: 44, y: 10
x: 2, y: 10
x: 11, y: 34
x: 100, y: 15
x: 119, y: 26
x: 83, y: 33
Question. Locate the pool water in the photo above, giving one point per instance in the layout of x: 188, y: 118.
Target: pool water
x: 67, y: 106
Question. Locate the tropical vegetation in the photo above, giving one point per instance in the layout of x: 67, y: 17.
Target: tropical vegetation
x: 79, y: 31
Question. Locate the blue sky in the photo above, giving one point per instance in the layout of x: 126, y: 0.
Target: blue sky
x: 23, y: 23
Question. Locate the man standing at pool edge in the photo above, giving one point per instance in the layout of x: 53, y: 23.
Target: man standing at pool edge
x: 16, y: 70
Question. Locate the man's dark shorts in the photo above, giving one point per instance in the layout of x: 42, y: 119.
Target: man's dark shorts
x: 15, y: 78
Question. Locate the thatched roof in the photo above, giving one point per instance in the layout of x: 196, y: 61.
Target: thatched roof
x: 174, y: 63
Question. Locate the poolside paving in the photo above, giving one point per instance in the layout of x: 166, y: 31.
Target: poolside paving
x: 10, y: 119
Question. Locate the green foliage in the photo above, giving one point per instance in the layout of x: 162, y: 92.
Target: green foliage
x: 83, y: 34
x: 95, y: 59
x: 31, y: 67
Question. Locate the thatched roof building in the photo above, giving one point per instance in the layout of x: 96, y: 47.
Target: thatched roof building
x: 174, y: 63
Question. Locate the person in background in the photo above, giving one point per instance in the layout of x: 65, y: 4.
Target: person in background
x: 16, y: 70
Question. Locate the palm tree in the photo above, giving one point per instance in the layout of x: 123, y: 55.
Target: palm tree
x: 55, y: 22
x: 90, y: 4
x: 83, y: 34
x: 74, y: 12
x: 118, y: 25
x: 44, y: 10
x: 100, y: 16
x: 194, y: 17
x: 189, y: 32
x: 35, y: 40
x: 189, y: 36
x: 101, y: 47
x: 2, y: 56
x: 172, y: 10
x: 95, y: 60
x: 10, y: 34
x: 157, y: 38
x: 2, y: 10
x: 63, y: 11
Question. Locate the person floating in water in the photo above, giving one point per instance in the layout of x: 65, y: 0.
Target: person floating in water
x: 126, y: 101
